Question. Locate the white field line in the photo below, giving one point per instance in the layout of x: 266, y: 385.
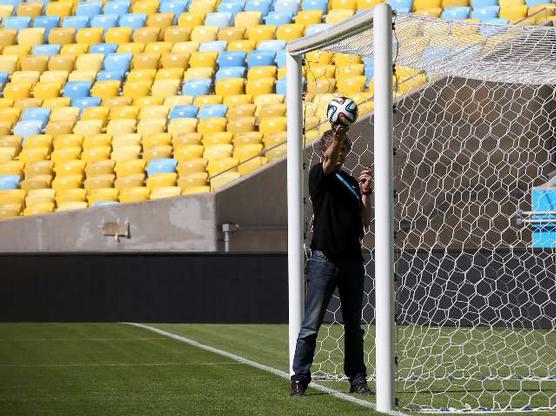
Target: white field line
x: 115, y: 365
x: 259, y: 366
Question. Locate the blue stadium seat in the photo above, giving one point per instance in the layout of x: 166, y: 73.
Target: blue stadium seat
x: 88, y: 8
x: 110, y: 76
x: 489, y: 31
x: 212, y: 110
x: 3, y: 79
x: 104, y: 48
x: 281, y: 86
x: 401, y: 5
x: 261, y: 58
x: 281, y: 58
x: 46, y: 49
x: 133, y: 20
x: 17, y: 22
x: 242, y: 2
x: 213, y: 46
x: 117, y: 61
x: 39, y: 114
x: 196, y: 87
x: 9, y: 182
x: 232, y: 8
x: 316, y: 28
x: 176, y: 7
x: 218, y: 19
x: 27, y: 128
x: 75, y: 22
x: 286, y: 6
x: 315, y: 5
x: 456, y: 13
x: 477, y: 4
x: 488, y: 12
x: 531, y: 3
x: 369, y: 68
x: 105, y: 203
x: 272, y: 45
x: 84, y: 102
x: 278, y: 18
x: 118, y: 7
x: 184, y: 111
x: 231, y: 58
x: 262, y: 6
x: 105, y: 21
x: 77, y: 89
x: 162, y: 166
x: 14, y: 3
x: 230, y: 72
x: 47, y: 22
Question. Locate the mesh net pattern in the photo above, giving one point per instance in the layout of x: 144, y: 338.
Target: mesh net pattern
x: 474, y: 130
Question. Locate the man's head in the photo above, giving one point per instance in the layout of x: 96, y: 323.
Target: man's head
x: 325, y: 143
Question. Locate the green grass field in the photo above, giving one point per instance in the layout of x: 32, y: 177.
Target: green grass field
x: 116, y: 369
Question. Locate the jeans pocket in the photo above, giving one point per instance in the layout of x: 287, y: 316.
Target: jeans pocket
x: 319, y: 257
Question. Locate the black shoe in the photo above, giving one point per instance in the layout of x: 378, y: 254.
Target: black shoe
x: 298, y: 387
x: 360, y: 388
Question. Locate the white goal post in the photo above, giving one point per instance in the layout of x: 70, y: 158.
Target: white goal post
x: 459, y: 129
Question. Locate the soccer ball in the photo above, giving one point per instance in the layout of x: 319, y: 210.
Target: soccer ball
x: 342, y: 110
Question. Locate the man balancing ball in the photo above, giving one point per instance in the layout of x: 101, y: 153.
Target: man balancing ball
x: 342, y: 208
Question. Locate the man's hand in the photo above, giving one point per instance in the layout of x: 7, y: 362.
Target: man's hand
x: 365, y: 182
x: 340, y: 130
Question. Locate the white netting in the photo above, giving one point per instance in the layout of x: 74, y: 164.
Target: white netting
x: 474, y: 130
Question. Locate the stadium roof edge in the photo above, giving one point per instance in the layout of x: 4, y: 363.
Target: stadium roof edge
x: 354, y: 25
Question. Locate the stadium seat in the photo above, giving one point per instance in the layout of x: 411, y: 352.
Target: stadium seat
x: 231, y: 34
x: 513, y: 13
x: 247, y: 19
x: 191, y: 19
x: 456, y: 13
x: 116, y: 8
x: 211, y: 111
x: 196, y: 87
x: 148, y: 7
x: 230, y: 86
x: 278, y: 18
x: 184, y: 111
x: 177, y: 34
x: 134, y: 194
x: 240, y: 111
x: 77, y: 89
x: 158, y: 166
x: 84, y: 102
x: 261, y: 58
x: 309, y: 17
x: 321, y: 5
x: 36, y: 114
x: 311, y: 30
x: 222, y: 137
x: 75, y: 22
x: 174, y: 7
x: 272, y: 45
x: 165, y: 192
x: 488, y: 12
x: 133, y: 20
x: 218, y: 19
x: 232, y: 8
x: 30, y: 9
x: 286, y: 6
x: 231, y: 59
x: 17, y: 22
x: 213, y: 46
x: 261, y: 32
x: 230, y: 72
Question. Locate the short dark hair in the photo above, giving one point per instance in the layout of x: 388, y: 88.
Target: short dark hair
x: 325, y: 141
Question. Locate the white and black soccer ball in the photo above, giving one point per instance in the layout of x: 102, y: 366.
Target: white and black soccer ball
x: 342, y: 110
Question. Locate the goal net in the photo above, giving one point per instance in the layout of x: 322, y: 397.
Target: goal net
x: 474, y: 137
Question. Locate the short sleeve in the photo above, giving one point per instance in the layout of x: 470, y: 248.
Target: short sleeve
x: 316, y: 180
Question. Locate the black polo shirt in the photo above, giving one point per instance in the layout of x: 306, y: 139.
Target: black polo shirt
x: 337, y: 227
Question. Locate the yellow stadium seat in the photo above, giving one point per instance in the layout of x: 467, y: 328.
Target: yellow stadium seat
x: 222, y: 180
x: 188, y: 46
x: 69, y: 167
x: 308, y: 17
x: 10, y: 115
x: 105, y: 89
x: 7, y: 154
x: 89, y: 36
x: 426, y: 4
x: 17, y: 50
x: 202, y: 100
x: 102, y: 195
x: 191, y: 166
x: 158, y: 152
x: 259, y: 86
x: 271, y: 140
x: 141, y: 75
x: 12, y: 167
x: 321, y: 86
x: 347, y: 71
x: 121, y: 126
x: 6, y: 10
x: 58, y: 8
x: 510, y: 3
x: 118, y: 35
x: 66, y: 154
x: 131, y: 47
x: 188, y: 152
x: 513, y: 13
x: 88, y: 127
x: 59, y: 76
x: 38, y: 196
x: 177, y: 34
x: 261, y: 32
x: 272, y: 110
x: 59, y: 63
x: 241, y: 125
x: 191, y: 19
x: 38, y: 140
x: 39, y: 209
x: 169, y: 73
x: 68, y: 140
x: 242, y: 45
x: 124, y: 112
x: 130, y: 167
x: 159, y: 48
x: 61, y: 36
x: 203, y: 59
x: 60, y: 114
x: 117, y: 101
x: 9, y: 211
x: 230, y: 86
x: 367, y: 4
x: 165, y: 88
x: 220, y: 165
x: 161, y: 179
x: 47, y: 90
x: 56, y: 128
x: 99, y: 182
x: 25, y: 77
x: 157, y: 140
x: 149, y: 127
x: 178, y: 100
x: 30, y: 36
x: 17, y: 91
x: 352, y: 85
x: 125, y: 153
x: 338, y: 15
x: 249, y: 137
x: 95, y: 113
x: 217, y: 151
x: 165, y: 192
x: 231, y: 33
x: 145, y: 6
x: 268, y: 99
x: 34, y: 63
x: 290, y: 31
x: 204, y: 6
x: 179, y: 60
x: 148, y: 100
x: 129, y: 182
x: 146, y: 60
x: 34, y: 154
x: 239, y: 99
x: 154, y: 112
x: 247, y: 19
x: 61, y: 183
x: 261, y: 72
x: 179, y: 126
x: 100, y: 167
x: 74, y: 49
x: 240, y: 111
x: 8, y: 63
x: 317, y: 71
x: 30, y: 9
x: 136, y: 89
x: 212, y: 125
x: 70, y: 195
x: 250, y: 165
x: 71, y: 206
x: 89, y: 62
x: 342, y: 4
x: 160, y: 21
x: 198, y: 73
x: 247, y: 151
x: 193, y: 179
x: 126, y: 140
x: 195, y: 190
x: 96, y: 153
x: 134, y: 194
x: 221, y: 137
x: 186, y: 138
x: 319, y: 57
x: 56, y: 102
x: 7, y: 37
x: 455, y: 3
x: 276, y: 153
x: 12, y: 196
x: 273, y: 125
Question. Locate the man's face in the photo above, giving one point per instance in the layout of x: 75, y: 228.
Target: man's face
x: 344, y: 150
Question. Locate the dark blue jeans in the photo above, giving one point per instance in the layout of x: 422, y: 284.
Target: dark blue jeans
x: 323, y: 276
